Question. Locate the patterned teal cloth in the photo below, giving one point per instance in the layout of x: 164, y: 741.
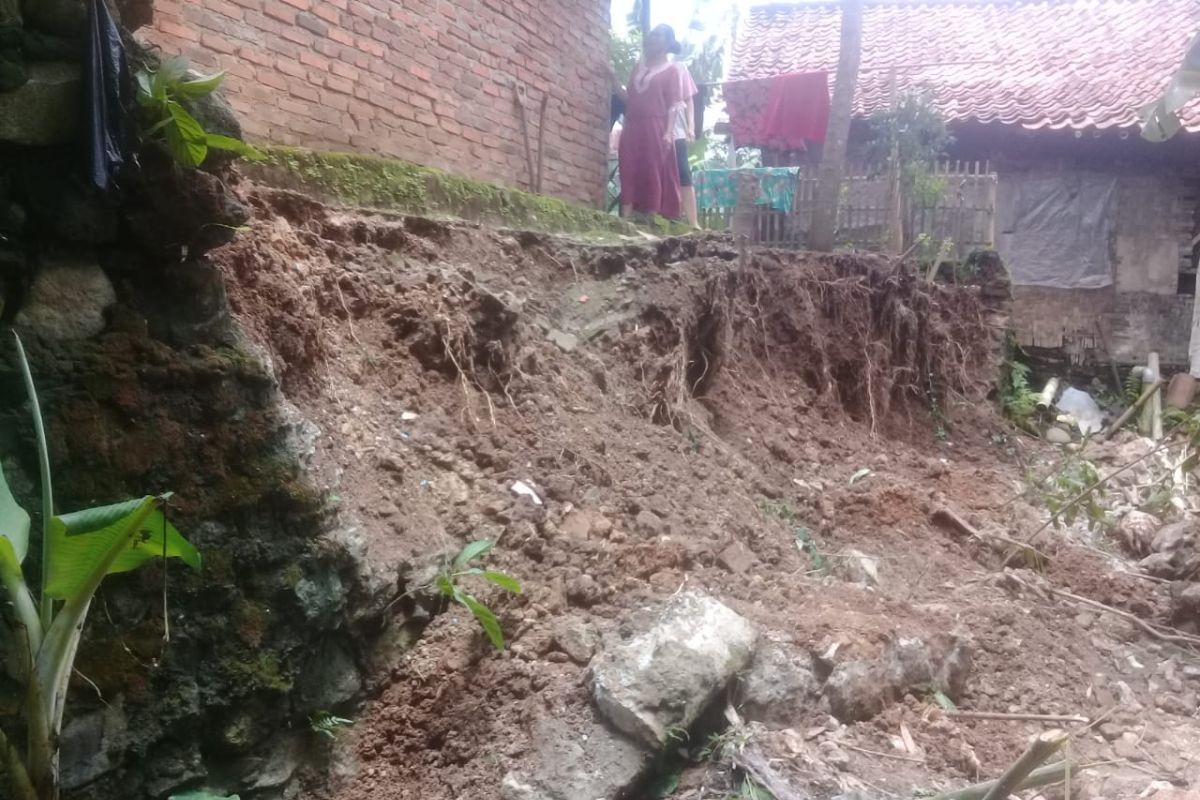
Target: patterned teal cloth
x: 717, y: 188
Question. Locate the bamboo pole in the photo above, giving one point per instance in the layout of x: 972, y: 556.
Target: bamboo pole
x: 1133, y: 409
x: 1044, y: 776
x: 1041, y: 747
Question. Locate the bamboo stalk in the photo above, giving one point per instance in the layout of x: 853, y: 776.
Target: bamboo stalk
x: 1041, y: 747
x: 1129, y: 412
x: 1043, y: 776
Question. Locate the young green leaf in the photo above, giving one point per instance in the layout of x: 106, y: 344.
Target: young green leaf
x: 14, y: 525
x: 218, y: 142
x: 185, y: 138
x: 82, y: 540
x: 487, y: 620
x: 471, y: 552
x: 506, y: 582
x: 200, y: 86
x: 942, y: 700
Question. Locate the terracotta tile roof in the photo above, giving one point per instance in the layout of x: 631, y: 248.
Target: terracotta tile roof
x: 1048, y: 64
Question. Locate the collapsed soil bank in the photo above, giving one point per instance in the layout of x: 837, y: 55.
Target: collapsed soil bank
x: 691, y: 415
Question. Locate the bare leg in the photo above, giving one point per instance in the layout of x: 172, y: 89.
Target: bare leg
x: 688, y: 195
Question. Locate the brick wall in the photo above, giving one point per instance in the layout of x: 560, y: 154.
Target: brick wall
x: 429, y: 81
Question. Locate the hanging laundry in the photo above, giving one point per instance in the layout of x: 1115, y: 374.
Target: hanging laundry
x: 783, y: 112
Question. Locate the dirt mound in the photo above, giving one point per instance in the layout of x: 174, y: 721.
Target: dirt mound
x: 756, y: 424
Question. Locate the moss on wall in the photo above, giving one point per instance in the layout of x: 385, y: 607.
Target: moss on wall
x: 373, y: 182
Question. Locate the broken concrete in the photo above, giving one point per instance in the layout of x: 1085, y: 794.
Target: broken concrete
x: 663, y: 677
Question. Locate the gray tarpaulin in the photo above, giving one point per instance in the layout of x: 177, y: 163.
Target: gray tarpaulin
x: 1053, y: 230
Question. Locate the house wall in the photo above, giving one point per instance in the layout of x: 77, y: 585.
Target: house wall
x: 1152, y: 219
x: 431, y: 81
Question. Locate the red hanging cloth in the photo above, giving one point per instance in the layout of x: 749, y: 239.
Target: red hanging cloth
x: 782, y: 112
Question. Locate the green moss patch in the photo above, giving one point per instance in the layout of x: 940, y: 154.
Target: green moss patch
x: 384, y: 183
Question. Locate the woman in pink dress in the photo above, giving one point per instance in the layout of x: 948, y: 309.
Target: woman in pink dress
x: 649, y: 175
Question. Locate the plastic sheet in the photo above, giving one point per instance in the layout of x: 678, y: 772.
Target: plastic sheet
x: 1054, y: 230
x: 107, y: 74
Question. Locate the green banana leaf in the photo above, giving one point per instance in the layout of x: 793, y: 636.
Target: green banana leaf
x: 14, y: 527
x: 81, y: 540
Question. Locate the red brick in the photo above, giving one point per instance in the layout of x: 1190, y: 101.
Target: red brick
x: 311, y: 59
x: 423, y: 79
x: 289, y: 67
x: 218, y: 44
x: 339, y: 84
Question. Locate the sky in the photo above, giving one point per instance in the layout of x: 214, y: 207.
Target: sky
x: 715, y: 15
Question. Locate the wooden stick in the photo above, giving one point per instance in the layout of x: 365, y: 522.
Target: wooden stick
x: 997, y: 715
x: 541, y: 141
x: 1040, y: 748
x: 1044, y: 776
x: 1129, y: 412
x: 947, y: 518
x: 895, y: 756
x: 1164, y: 634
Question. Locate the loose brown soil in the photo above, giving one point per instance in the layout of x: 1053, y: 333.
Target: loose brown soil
x: 702, y: 393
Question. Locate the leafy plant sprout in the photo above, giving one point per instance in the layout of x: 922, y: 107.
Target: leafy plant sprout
x: 162, y: 93
x: 447, y: 584
x: 78, y: 550
x: 326, y: 724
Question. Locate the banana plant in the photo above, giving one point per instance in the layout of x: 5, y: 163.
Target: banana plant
x: 78, y: 550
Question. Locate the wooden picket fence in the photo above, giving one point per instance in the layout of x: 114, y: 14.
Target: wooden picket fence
x: 957, y: 211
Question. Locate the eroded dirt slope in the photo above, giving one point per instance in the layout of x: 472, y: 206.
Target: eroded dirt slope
x: 693, y: 416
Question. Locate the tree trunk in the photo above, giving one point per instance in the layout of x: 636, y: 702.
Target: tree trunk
x: 833, y: 158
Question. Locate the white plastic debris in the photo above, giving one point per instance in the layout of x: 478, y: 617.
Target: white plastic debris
x: 408, y: 416
x: 524, y: 489
x: 1083, y: 410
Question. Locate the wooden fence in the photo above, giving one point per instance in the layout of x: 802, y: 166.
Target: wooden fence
x: 952, y: 211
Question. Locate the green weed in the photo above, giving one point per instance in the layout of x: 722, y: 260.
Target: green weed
x: 459, y: 568
x: 325, y: 724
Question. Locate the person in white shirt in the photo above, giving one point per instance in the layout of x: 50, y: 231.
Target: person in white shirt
x: 685, y: 133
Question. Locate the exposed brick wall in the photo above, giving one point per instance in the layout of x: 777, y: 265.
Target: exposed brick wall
x: 430, y: 81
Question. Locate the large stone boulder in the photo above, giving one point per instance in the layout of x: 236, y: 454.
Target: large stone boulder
x: 572, y: 763
x: 662, y: 678
x: 45, y: 111
x: 67, y: 300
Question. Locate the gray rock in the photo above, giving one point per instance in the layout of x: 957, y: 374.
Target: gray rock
x: 649, y: 523
x: 91, y: 745
x: 665, y: 675
x: 1172, y: 537
x: 565, y: 341
x: 575, y: 638
x: 1056, y: 435
x: 858, y: 690
x: 736, y: 558
x: 276, y: 765
x: 779, y: 686
x: 592, y: 763
x: 67, y: 300
x: 1136, y: 532
x: 45, y: 111
x: 322, y: 596
x: 330, y: 677
x: 858, y: 567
